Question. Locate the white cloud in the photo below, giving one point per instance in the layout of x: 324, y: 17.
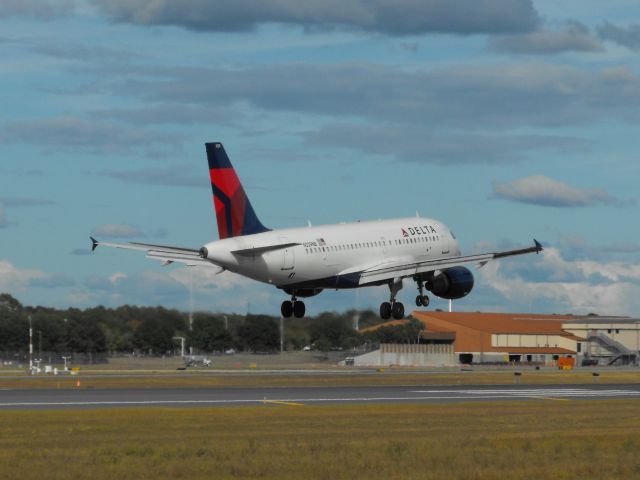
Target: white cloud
x: 545, y: 191
x: 170, y: 287
x: 116, y: 277
x: 14, y: 279
x: 573, y: 285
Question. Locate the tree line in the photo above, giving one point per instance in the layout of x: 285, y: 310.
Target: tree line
x: 156, y: 330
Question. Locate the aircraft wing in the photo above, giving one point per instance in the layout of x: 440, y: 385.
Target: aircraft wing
x: 400, y: 269
x: 163, y: 253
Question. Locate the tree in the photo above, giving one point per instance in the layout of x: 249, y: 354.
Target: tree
x: 14, y: 328
x: 9, y: 304
x: 209, y: 334
x: 154, y: 336
x: 14, y: 333
x: 259, y: 333
x: 331, y: 328
x: 49, y: 330
x: 84, y: 336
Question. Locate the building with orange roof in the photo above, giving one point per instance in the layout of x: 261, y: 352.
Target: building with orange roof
x: 485, y: 337
x: 499, y: 337
x: 474, y: 337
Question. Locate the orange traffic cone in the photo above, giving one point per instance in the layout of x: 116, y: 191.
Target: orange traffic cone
x: 78, y: 383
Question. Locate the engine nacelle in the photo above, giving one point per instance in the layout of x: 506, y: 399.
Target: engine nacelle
x: 451, y: 283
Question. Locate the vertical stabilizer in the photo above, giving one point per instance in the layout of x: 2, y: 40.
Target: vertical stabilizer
x: 234, y: 212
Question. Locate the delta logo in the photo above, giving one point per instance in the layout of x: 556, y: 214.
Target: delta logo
x: 423, y: 230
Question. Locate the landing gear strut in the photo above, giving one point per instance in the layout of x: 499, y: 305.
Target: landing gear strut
x: 422, y: 300
x: 291, y: 308
x: 392, y: 307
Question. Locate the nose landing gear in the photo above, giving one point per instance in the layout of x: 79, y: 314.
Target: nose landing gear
x: 422, y: 300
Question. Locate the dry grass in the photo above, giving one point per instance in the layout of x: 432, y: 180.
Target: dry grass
x: 254, y: 379
x: 516, y: 440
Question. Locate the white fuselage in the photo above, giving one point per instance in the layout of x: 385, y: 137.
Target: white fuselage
x: 331, y: 251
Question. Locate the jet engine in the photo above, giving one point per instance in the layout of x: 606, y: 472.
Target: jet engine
x: 451, y: 283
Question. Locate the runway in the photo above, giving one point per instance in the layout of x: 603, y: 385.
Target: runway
x: 298, y: 396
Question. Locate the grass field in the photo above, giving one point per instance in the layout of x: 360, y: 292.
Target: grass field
x: 371, y: 377
x: 541, y: 439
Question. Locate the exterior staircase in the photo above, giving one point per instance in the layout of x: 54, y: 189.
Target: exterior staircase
x: 619, y: 353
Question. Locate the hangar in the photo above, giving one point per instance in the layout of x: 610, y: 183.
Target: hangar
x: 501, y: 337
x: 472, y: 337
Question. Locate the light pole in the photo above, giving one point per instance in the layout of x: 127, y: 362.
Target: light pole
x: 190, y: 267
x: 281, y: 334
x: 30, y: 347
x: 181, y: 345
x: 40, y: 344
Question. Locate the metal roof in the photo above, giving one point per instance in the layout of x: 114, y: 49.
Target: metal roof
x: 605, y: 320
x: 506, y: 323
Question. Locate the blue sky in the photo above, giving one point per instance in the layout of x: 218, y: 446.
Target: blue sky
x: 506, y: 119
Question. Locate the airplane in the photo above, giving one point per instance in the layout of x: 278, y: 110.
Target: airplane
x: 302, y: 262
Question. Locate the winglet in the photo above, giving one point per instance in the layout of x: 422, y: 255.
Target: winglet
x: 94, y: 243
x: 538, y: 245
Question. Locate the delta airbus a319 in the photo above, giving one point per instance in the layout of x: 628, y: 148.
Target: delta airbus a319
x: 303, y: 262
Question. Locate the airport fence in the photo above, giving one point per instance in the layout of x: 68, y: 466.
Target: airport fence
x: 21, y: 359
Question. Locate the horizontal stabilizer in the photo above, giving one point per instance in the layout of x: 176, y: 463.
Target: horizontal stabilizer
x: 164, y: 253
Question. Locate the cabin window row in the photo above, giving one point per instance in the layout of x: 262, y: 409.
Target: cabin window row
x: 382, y: 243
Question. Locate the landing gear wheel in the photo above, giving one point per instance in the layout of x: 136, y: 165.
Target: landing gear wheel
x: 425, y: 301
x: 298, y: 309
x: 286, y: 309
x: 397, y: 310
x: 385, y: 310
x: 419, y: 301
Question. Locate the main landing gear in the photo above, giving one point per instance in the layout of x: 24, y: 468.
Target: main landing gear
x: 294, y: 308
x: 392, y: 308
x: 395, y: 309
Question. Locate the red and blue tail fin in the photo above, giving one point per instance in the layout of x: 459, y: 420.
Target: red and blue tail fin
x: 234, y: 212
